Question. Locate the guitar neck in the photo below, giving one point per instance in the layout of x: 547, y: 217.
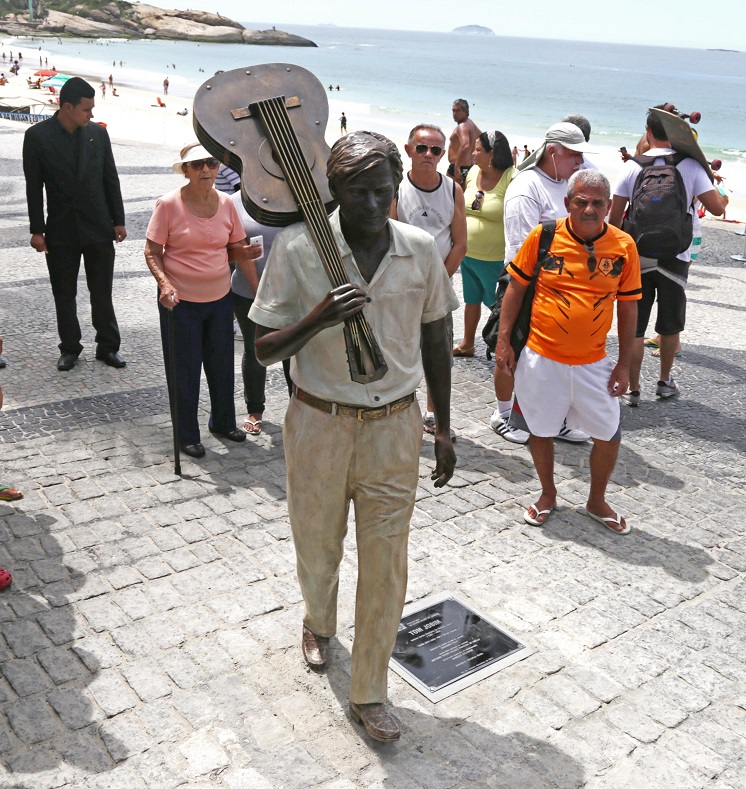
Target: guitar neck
x: 282, y: 137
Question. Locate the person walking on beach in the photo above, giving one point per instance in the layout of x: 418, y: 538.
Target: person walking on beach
x: 165, y: 86
x: 663, y: 280
x: 103, y: 89
x: 343, y: 124
x: 564, y: 374
x: 71, y: 158
x: 526, y: 152
x: 435, y: 203
x: 535, y: 195
x: 111, y: 81
x: 461, y: 143
x: 515, y: 156
x: 346, y: 441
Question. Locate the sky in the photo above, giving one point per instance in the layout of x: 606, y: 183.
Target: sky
x: 687, y: 23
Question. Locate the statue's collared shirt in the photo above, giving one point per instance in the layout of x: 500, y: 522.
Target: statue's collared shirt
x: 410, y: 287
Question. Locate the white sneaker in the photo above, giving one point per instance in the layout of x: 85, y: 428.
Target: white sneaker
x: 665, y: 389
x: 575, y: 436
x: 237, y: 331
x: 632, y: 398
x: 504, y: 429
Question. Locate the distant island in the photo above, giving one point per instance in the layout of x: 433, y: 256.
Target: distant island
x: 474, y: 30
x: 122, y: 19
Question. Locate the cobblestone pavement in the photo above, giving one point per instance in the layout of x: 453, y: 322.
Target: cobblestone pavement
x: 151, y: 635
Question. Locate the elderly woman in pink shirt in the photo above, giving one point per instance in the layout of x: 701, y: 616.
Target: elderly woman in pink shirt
x: 193, y: 230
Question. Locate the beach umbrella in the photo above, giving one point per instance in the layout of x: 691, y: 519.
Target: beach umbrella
x: 57, y: 81
x: 45, y: 72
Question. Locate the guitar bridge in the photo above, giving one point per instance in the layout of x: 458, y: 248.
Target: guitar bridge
x: 245, y: 112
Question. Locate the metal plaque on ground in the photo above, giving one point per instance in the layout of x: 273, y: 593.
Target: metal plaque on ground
x: 444, y: 646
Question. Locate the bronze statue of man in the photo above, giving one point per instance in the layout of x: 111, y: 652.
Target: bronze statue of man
x: 350, y: 442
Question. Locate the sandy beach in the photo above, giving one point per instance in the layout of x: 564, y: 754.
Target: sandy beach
x: 135, y: 116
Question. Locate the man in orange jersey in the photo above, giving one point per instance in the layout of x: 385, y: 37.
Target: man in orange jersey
x: 564, y: 372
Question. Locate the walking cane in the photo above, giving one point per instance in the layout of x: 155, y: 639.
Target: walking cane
x: 172, y: 391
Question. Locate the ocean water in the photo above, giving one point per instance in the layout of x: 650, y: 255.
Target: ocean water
x: 518, y: 85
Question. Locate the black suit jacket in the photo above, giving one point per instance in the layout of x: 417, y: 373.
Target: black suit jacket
x: 84, y: 203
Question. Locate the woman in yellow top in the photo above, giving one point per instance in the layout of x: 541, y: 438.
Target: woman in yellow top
x: 484, y: 195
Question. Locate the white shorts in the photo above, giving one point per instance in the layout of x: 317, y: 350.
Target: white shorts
x: 548, y: 393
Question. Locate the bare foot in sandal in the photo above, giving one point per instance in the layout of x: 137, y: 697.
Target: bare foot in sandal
x: 253, y: 424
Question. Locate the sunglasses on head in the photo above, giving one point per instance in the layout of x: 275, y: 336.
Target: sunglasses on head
x: 477, y: 204
x: 435, y: 149
x: 198, y: 164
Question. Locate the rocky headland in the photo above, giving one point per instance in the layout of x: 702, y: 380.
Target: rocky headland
x: 121, y: 19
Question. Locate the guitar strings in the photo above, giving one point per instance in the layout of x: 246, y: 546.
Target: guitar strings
x: 277, y: 122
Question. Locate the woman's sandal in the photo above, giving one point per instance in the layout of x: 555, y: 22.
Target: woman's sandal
x: 8, y: 493
x: 253, y: 426
x: 467, y: 352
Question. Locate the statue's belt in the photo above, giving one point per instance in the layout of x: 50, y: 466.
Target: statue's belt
x: 343, y: 409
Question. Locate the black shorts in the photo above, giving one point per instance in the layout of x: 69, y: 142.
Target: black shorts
x: 671, y: 298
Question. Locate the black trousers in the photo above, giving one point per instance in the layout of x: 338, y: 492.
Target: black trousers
x: 63, y: 264
x: 203, y: 338
x: 254, y: 374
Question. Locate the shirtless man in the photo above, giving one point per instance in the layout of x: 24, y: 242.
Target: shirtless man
x: 461, y: 144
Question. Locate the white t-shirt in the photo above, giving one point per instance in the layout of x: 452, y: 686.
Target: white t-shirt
x: 696, y: 182
x: 532, y: 197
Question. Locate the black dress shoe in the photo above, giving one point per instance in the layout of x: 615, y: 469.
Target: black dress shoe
x: 315, y: 649
x: 232, y: 435
x: 380, y: 724
x: 193, y: 450
x: 113, y: 359
x: 66, y: 362
x: 2, y: 362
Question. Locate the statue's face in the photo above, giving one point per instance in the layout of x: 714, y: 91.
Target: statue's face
x: 365, y: 199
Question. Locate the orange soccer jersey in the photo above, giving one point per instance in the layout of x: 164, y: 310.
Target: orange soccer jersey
x: 576, y: 289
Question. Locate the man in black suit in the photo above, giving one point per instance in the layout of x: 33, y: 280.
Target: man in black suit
x: 72, y: 159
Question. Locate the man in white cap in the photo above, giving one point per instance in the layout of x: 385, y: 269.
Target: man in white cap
x: 535, y: 195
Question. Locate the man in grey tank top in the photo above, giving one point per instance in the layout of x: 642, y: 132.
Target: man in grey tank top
x: 434, y: 202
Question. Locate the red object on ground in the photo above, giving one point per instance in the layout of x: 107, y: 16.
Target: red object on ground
x: 5, y: 578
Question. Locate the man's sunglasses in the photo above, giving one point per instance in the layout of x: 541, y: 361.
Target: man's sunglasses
x: 198, y: 164
x: 477, y: 204
x: 422, y: 148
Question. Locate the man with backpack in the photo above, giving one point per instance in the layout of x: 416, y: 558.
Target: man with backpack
x: 660, y: 187
x: 563, y: 375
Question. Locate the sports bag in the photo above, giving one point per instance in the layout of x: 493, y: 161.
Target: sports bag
x: 522, y: 324
x: 658, y: 217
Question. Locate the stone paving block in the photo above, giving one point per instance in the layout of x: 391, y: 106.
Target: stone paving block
x: 134, y: 640
x: 74, y: 707
x: 153, y: 567
x: 102, y: 613
x: 24, y: 676
x: 133, y: 601
x: 680, y: 692
x: 163, y: 630
x: 112, y: 693
x: 162, y: 595
x: 648, y: 768
x: 167, y: 538
x: 85, y: 749
x: 147, y: 681
x: 160, y: 767
x: 182, y: 669
x: 564, y: 690
x: 25, y: 638
x: 61, y: 625
x: 61, y: 664
x: 98, y: 652
x: 544, y: 708
x: 633, y: 721
x: 32, y: 720
x: 243, y: 649
x: 249, y: 778
x: 163, y: 723
x: 698, y: 755
x: 203, y: 754
x: 124, y: 736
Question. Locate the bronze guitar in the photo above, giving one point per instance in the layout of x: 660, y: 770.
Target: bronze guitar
x: 267, y: 122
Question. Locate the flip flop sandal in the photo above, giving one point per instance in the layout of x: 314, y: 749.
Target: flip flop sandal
x: 650, y: 342
x: 608, y: 521
x: 5, y: 578
x: 466, y: 352
x: 657, y: 354
x: 534, y: 521
x: 8, y: 493
x: 253, y: 426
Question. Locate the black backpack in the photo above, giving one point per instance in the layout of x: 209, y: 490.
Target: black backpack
x: 522, y: 324
x: 658, y: 217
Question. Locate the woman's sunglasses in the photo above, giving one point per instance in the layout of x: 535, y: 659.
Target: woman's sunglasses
x: 198, y: 164
x: 477, y: 204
